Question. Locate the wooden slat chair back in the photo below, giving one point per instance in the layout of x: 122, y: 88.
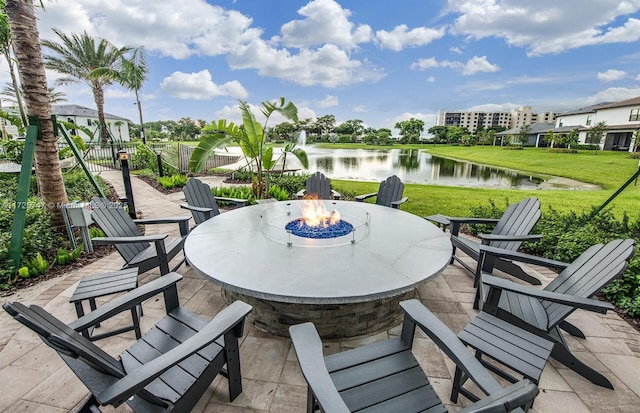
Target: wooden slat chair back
x: 509, y: 233
x: 199, y: 194
x: 115, y: 222
x: 390, y: 190
x: 167, y: 370
x: 319, y: 186
x: 386, y: 377
x: 518, y: 219
x: 588, y: 274
x: 389, y: 193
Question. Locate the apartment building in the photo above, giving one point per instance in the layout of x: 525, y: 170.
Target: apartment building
x: 472, y: 120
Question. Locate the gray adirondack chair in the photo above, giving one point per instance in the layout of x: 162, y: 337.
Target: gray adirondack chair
x: 510, y: 231
x: 201, y: 202
x: 318, y: 186
x: 142, y: 251
x: 389, y: 193
x: 167, y: 370
x: 386, y: 377
x: 544, y: 312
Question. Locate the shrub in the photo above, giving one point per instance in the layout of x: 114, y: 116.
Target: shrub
x: 173, y: 181
x: 289, y: 183
x: 23, y: 272
x: 513, y: 147
x: 240, y: 192
x: 37, y: 265
x: 278, y: 193
x: 95, y: 232
x: 562, y: 150
x: 79, y: 188
x: 65, y: 257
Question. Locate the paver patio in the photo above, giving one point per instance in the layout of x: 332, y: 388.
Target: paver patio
x: 35, y: 379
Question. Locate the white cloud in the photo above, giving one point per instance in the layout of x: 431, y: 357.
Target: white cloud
x: 547, y: 26
x: 119, y: 94
x: 196, y: 28
x: 401, y: 37
x: 329, y: 66
x: 431, y: 79
x: 360, y: 109
x: 325, y: 22
x: 455, y: 50
x: 479, y: 64
x: 474, y: 65
x: 613, y: 94
x: 328, y: 101
x: 637, y: 78
x: 199, y: 86
x: 427, y: 118
x: 611, y: 75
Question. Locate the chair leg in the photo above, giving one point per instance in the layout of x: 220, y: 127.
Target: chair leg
x: 571, y: 329
x: 234, y: 376
x: 311, y: 401
x: 564, y: 356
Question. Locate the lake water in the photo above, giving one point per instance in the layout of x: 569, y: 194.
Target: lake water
x: 411, y: 165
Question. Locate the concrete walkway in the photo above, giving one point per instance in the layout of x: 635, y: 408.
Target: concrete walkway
x: 35, y: 379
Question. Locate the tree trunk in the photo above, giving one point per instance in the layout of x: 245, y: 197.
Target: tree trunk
x: 26, y: 46
x: 98, y: 97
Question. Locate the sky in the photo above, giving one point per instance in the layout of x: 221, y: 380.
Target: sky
x: 379, y: 61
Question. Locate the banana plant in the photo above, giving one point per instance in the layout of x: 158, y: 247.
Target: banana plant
x: 252, y: 139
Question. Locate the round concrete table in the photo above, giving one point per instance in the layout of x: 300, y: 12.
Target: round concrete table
x: 347, y: 289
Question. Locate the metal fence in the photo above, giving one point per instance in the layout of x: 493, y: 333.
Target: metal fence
x: 105, y: 157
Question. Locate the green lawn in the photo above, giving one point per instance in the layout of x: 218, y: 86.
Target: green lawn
x: 607, y: 169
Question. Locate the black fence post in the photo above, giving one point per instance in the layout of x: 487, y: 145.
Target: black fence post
x: 159, y: 159
x: 126, y: 177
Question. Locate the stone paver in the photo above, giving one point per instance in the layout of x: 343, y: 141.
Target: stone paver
x: 36, y: 380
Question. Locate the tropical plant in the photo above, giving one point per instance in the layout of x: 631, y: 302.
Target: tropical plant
x: 25, y: 39
x: 76, y: 56
x: 252, y: 139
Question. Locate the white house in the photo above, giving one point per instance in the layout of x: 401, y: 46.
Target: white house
x: 80, y: 115
x: 622, y: 120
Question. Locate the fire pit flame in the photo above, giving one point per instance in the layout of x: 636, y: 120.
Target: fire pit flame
x: 315, y: 214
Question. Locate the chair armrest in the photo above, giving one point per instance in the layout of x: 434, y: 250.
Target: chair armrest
x: 497, y: 283
x: 455, y: 222
x: 396, y: 204
x: 361, y: 198
x: 470, y: 220
x: 164, y: 220
x: 509, y: 399
x: 336, y: 195
x: 301, y: 193
x: 520, y: 257
x: 136, y: 380
x: 523, y: 237
x: 181, y: 221
x: 308, y: 347
x: 237, y: 201
x: 204, y: 210
x: 451, y: 345
x: 125, y: 302
x: 127, y: 240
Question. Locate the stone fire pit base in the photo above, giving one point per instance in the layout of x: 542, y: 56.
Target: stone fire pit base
x: 332, y: 321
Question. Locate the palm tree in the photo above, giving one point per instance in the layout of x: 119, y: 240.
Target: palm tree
x: 132, y: 74
x: 10, y: 95
x: 78, y: 55
x: 28, y: 53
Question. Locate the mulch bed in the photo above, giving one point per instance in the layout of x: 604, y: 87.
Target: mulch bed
x: 58, y: 270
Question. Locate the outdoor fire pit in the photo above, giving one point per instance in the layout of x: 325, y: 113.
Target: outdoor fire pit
x: 348, y: 280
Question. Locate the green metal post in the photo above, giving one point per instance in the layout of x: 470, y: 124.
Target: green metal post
x: 612, y: 197
x: 79, y: 158
x: 22, y: 197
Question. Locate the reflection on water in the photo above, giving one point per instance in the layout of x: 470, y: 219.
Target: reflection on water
x: 411, y: 165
